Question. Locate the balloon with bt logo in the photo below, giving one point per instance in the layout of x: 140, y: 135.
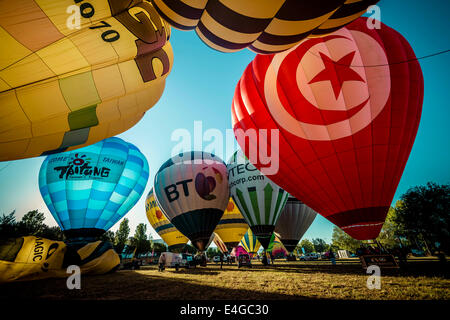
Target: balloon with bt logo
x: 69, y: 80
x: 192, y: 191
x: 347, y: 107
x: 88, y: 190
x: 174, y: 239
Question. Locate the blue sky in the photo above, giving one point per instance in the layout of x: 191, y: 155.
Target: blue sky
x: 201, y: 87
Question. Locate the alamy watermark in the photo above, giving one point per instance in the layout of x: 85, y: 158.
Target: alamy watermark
x: 261, y: 146
x: 74, y: 280
x: 374, y: 280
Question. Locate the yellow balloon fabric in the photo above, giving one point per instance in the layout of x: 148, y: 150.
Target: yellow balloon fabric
x: 75, y: 72
x: 34, y: 258
x: 232, y: 226
x: 98, y: 258
x: 167, y: 231
x: 31, y: 258
x: 264, y: 26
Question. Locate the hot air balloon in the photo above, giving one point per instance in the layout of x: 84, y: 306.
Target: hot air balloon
x: 174, y: 239
x: 250, y: 242
x: 264, y: 26
x: 276, y: 247
x: 88, y: 190
x: 259, y: 199
x: 219, y: 243
x: 192, y: 191
x: 71, y: 80
x: 294, y: 220
x: 347, y: 107
x: 232, y: 227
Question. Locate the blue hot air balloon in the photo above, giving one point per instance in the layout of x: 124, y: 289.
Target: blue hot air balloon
x: 89, y: 189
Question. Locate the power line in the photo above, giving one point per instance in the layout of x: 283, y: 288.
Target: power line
x: 390, y: 64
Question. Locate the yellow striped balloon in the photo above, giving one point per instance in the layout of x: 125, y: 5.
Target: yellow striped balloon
x: 232, y: 226
x: 74, y: 72
x: 250, y: 243
x: 167, y: 231
x: 264, y: 26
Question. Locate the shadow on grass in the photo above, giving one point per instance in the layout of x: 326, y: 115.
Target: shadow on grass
x: 132, y: 285
x: 414, y: 268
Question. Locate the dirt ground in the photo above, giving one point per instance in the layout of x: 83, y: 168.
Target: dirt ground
x: 423, y: 279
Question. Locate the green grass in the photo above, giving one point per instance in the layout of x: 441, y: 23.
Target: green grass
x: 423, y: 279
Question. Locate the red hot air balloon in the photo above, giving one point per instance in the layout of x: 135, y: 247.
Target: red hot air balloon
x: 347, y: 107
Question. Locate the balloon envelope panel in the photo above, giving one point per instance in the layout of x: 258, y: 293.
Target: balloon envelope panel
x: 192, y: 190
x: 167, y: 231
x: 232, y: 227
x: 347, y: 107
x: 250, y: 243
x: 257, y: 197
x: 90, y: 189
x: 264, y: 26
x: 294, y: 221
x: 65, y: 85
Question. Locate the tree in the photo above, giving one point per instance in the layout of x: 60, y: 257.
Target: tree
x: 33, y: 222
x: 108, y: 236
x: 307, y: 246
x: 52, y: 233
x: 8, y: 226
x: 341, y: 240
x: 424, y: 216
x: 320, y: 245
x: 159, y: 247
x: 140, y: 240
x: 211, y: 252
x: 121, y: 235
x: 391, y: 232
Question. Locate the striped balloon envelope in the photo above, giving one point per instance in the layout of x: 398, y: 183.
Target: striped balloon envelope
x: 75, y: 72
x: 219, y: 243
x: 257, y: 197
x: 250, y: 243
x: 192, y: 190
x: 174, y: 239
x: 347, y: 108
x: 294, y: 220
x: 232, y: 227
x: 264, y: 26
x: 88, y: 190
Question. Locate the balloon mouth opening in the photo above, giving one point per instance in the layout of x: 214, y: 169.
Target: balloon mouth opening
x: 83, y: 235
x: 177, y: 248
x: 364, y: 231
x: 362, y: 223
x: 200, y: 244
x: 263, y: 233
x: 290, y: 244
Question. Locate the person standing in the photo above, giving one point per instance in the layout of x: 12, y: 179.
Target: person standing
x: 162, y: 262
x: 332, y: 257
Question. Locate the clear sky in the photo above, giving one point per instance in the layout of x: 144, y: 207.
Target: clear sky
x: 201, y: 87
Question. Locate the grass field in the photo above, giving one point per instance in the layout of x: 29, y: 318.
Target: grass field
x: 422, y: 279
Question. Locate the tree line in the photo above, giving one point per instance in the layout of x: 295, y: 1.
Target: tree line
x: 420, y: 220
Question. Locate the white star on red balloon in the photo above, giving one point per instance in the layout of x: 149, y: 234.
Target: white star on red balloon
x: 337, y: 72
